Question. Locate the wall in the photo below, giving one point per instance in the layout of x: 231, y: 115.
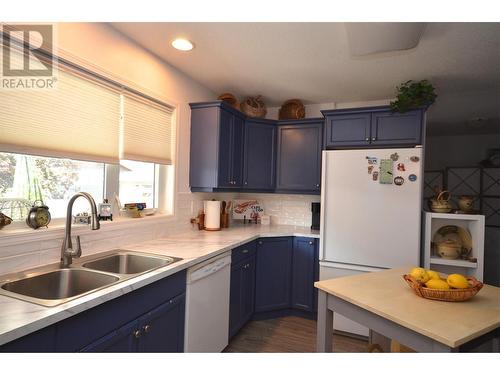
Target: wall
x: 468, y: 150
x: 458, y: 150
x: 101, y: 48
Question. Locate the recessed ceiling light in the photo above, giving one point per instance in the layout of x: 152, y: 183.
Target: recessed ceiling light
x: 182, y: 44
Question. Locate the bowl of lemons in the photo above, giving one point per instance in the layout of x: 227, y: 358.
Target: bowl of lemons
x: 451, y: 288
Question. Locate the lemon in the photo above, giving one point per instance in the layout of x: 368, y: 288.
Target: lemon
x: 419, y: 274
x: 458, y: 281
x: 433, y: 275
x: 437, y: 284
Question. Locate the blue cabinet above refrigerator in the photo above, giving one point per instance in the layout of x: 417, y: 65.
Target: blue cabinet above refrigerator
x: 373, y: 127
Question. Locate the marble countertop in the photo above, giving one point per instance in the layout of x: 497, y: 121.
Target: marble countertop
x: 19, y: 318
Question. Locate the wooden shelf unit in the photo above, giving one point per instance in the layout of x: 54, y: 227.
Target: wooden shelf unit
x: 474, y: 223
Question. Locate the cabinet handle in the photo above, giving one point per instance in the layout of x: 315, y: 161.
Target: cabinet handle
x: 146, y: 328
x: 374, y: 139
x: 310, y: 242
x: 367, y: 139
x: 246, y: 182
x: 260, y: 242
x: 244, y: 251
x: 137, y: 334
x: 317, y: 185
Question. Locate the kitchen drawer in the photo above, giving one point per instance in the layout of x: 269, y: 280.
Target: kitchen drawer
x: 244, y: 251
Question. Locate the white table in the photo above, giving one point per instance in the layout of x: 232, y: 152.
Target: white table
x: 384, y: 303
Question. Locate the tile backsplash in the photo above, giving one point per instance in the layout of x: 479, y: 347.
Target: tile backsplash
x: 285, y: 209
x: 44, y: 247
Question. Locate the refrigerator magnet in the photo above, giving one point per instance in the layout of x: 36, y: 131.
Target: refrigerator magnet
x: 412, y: 177
x: 371, y: 160
x: 386, y: 176
x: 415, y: 159
x: 375, y: 176
x: 401, y: 167
x: 370, y: 169
x: 395, y: 156
x: 399, y: 180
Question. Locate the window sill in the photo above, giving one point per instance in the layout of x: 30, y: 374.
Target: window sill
x: 22, y: 234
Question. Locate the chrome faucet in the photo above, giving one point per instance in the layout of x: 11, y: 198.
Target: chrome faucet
x: 67, y: 251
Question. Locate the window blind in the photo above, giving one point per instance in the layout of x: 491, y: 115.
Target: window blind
x: 78, y: 118
x: 146, y: 130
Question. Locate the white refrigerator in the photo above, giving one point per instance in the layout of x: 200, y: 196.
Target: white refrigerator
x: 371, y: 203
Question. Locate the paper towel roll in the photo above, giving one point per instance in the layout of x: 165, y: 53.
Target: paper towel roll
x: 212, y: 215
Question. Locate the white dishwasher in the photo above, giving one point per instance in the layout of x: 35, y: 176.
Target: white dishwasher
x: 207, y: 305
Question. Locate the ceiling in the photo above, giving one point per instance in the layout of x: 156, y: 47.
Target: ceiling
x: 313, y: 62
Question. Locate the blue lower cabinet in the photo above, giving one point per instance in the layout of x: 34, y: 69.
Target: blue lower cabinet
x: 116, y: 325
x: 304, y: 273
x: 162, y: 330
x: 42, y: 341
x: 273, y: 274
x: 123, y: 340
x: 242, y: 294
x: 159, y: 331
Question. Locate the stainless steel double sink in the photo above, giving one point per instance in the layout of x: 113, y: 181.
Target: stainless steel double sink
x: 51, y: 285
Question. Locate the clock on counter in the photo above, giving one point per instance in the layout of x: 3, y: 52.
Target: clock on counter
x: 38, y: 216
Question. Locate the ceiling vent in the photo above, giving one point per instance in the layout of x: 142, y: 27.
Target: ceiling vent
x: 366, y: 38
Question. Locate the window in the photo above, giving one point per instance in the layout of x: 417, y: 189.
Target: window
x: 90, y: 117
x: 137, y: 182
x: 26, y: 178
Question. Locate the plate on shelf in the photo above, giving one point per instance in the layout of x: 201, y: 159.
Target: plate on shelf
x: 453, y: 233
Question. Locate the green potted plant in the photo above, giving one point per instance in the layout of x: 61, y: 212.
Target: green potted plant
x: 412, y: 95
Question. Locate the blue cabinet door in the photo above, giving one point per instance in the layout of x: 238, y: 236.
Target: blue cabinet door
x: 396, y: 129
x: 225, y: 168
x: 235, y: 297
x: 260, y: 161
x: 347, y: 130
x: 123, y: 340
x: 248, y: 290
x: 304, y: 273
x: 162, y: 330
x: 273, y: 271
x: 237, y: 136
x: 299, y: 157
x: 242, y: 294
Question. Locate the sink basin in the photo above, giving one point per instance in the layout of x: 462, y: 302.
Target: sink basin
x: 129, y: 263
x: 55, y: 287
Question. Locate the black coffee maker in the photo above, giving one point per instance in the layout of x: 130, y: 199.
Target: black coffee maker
x: 316, y: 211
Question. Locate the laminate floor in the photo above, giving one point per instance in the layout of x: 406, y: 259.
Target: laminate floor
x: 287, y: 335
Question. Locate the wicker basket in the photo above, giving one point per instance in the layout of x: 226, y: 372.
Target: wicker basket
x: 448, y: 295
x: 229, y: 99
x: 292, y: 109
x: 254, y: 107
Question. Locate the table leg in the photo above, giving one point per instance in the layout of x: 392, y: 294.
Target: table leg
x: 325, y: 324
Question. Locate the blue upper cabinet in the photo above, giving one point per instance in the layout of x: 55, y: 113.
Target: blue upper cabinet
x: 348, y: 130
x: 260, y: 155
x: 373, y: 127
x: 299, y: 156
x: 216, y: 153
x: 396, y: 128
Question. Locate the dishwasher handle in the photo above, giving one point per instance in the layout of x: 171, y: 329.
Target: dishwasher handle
x: 208, y: 270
